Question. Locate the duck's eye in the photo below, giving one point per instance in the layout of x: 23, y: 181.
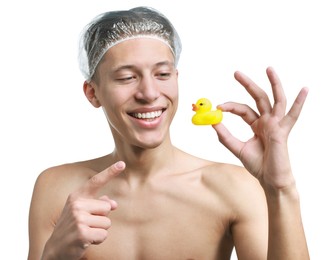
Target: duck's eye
x: 201, y: 104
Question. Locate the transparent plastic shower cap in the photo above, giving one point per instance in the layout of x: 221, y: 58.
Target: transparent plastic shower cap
x: 111, y: 28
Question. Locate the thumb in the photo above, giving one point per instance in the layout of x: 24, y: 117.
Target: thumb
x: 113, y: 203
x: 228, y: 140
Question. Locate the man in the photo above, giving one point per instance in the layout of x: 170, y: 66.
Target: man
x: 167, y: 204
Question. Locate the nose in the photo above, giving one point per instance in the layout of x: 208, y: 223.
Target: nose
x: 148, y: 90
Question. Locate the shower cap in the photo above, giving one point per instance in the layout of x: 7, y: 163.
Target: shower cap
x: 110, y: 28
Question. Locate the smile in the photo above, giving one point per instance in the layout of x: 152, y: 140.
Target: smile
x: 148, y: 115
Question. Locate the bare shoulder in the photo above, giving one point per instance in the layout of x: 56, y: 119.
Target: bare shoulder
x: 65, y: 176
x: 230, y: 177
x: 227, y: 180
x: 236, y: 187
x: 61, y: 173
x: 54, y: 184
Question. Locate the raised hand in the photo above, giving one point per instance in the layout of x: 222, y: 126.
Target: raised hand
x: 84, y: 219
x: 265, y: 155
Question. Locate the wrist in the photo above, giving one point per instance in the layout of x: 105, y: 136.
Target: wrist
x: 283, y: 194
x: 279, y: 184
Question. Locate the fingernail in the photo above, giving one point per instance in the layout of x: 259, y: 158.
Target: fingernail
x: 120, y: 165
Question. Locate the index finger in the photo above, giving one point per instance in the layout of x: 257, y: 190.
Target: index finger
x: 91, y: 187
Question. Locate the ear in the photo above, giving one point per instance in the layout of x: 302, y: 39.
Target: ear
x: 89, y: 91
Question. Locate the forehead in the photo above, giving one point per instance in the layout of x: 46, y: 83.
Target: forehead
x: 138, y: 51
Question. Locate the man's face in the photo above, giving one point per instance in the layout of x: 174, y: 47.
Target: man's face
x: 137, y: 88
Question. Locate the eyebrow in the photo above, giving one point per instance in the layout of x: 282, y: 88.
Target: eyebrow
x: 167, y: 63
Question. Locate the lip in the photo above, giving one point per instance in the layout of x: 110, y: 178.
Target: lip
x: 146, y: 109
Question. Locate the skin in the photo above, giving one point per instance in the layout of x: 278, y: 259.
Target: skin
x: 148, y: 199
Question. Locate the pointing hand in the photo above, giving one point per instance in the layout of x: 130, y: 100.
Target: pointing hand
x: 84, y: 219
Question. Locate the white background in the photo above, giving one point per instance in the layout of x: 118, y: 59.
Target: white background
x: 46, y: 120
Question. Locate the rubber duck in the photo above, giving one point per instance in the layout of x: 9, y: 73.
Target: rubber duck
x: 204, y: 115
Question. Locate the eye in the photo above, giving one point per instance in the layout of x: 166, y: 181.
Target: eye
x: 164, y: 75
x: 201, y: 104
x: 126, y: 79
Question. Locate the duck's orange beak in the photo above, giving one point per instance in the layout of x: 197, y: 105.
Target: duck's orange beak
x: 194, y: 107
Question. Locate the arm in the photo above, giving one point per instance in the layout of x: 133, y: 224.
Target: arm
x: 40, y: 215
x: 266, y: 157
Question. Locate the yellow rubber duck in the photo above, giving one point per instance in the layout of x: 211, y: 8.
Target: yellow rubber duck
x: 204, y: 115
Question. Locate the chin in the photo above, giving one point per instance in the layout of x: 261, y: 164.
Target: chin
x: 150, y: 142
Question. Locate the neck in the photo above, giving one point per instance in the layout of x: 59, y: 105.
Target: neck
x: 145, y: 163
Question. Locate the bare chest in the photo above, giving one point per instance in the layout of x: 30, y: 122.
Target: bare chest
x: 166, y: 226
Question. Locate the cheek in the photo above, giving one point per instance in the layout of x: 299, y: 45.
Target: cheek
x: 113, y: 98
x: 172, y: 92
x: 112, y: 102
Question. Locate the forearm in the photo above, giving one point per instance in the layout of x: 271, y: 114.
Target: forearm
x: 286, y: 233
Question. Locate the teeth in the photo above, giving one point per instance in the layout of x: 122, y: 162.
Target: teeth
x: 148, y: 115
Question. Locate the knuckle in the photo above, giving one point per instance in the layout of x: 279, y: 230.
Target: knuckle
x: 95, y: 180
x: 80, y: 219
x: 76, y: 207
x: 75, y: 204
x: 83, y: 232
